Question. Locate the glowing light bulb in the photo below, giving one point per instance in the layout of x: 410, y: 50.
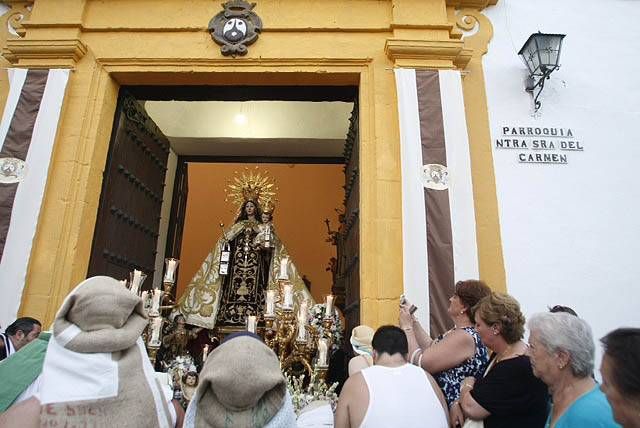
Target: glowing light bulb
x: 240, y: 119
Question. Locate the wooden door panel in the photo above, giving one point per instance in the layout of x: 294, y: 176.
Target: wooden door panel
x: 128, y: 219
x: 347, y: 276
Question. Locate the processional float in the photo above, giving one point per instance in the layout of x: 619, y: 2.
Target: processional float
x: 300, y: 333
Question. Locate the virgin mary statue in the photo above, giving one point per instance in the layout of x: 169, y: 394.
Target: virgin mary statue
x: 232, y: 281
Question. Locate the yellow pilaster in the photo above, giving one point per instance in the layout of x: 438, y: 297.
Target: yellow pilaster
x: 490, y: 258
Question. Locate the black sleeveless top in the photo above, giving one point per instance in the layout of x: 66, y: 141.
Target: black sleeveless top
x: 513, y: 395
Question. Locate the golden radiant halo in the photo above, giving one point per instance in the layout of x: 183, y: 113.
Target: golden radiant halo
x: 252, y: 185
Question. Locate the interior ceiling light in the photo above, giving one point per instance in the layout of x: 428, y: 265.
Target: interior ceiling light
x: 240, y: 119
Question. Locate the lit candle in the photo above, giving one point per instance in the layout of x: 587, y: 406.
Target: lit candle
x: 144, y: 297
x: 156, y: 328
x: 205, y: 352
x: 302, y: 322
x: 136, y: 281
x: 283, y: 268
x: 155, y: 303
x: 271, y: 303
x: 302, y: 312
x: 323, y: 347
x: 251, y: 323
x: 328, y: 309
x: 170, y: 271
x: 288, y: 296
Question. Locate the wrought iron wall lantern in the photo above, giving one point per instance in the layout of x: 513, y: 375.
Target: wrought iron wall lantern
x: 540, y: 54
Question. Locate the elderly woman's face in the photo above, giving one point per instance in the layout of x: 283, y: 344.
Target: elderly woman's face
x: 544, y: 364
x: 624, y: 410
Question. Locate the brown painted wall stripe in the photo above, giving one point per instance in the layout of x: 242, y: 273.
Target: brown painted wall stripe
x: 439, y: 237
x: 18, y: 140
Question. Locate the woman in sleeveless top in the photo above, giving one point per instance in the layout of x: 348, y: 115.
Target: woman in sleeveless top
x: 508, y: 394
x: 458, y: 353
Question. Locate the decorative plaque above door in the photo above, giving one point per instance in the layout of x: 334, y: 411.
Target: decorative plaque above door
x: 235, y: 27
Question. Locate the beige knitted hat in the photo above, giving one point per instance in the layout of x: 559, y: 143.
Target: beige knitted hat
x: 96, y: 370
x: 241, y: 385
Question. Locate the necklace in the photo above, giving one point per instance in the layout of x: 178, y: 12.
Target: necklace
x: 507, y: 351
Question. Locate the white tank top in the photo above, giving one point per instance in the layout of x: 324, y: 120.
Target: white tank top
x: 401, y: 397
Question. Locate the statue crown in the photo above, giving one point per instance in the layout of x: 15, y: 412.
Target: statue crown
x: 254, y: 186
x: 268, y: 206
x: 250, y: 193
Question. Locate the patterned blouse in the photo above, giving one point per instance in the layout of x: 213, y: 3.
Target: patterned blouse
x: 450, y: 379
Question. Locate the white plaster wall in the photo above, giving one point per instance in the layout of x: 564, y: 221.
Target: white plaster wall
x: 571, y: 233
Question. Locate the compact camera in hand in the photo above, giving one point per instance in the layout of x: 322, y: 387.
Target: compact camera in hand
x: 404, y: 302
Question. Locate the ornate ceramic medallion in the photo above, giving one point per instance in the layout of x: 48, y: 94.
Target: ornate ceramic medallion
x: 236, y: 27
x: 12, y: 170
x: 435, y: 176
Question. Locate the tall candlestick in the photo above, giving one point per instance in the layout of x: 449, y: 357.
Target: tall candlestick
x: 270, y: 303
x: 302, y: 322
x: 302, y: 311
x: 288, y: 296
x: 328, y: 309
x: 145, y: 297
x: 170, y: 271
x: 156, y: 328
x: 283, y: 268
x: 136, y: 281
x: 205, y: 352
x: 155, y: 303
x: 323, y: 348
x: 251, y: 323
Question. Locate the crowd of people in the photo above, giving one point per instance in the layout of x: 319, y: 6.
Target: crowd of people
x: 91, y: 369
x: 490, y: 377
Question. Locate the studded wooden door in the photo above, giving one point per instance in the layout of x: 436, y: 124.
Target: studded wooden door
x: 128, y: 219
x: 178, y: 210
x: 347, y: 270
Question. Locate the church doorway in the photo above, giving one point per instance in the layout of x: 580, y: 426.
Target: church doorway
x: 174, y: 150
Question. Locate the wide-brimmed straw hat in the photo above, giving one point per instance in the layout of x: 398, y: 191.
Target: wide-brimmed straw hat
x: 361, y: 338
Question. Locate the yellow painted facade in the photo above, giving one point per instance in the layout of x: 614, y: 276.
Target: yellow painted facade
x: 309, y: 42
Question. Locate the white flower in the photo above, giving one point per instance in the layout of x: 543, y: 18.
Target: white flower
x: 315, y: 390
x: 316, y: 315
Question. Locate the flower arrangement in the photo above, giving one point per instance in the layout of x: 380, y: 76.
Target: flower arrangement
x: 316, y: 315
x: 317, y: 390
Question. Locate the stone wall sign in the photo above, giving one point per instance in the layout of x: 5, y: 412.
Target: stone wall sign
x: 235, y: 27
x: 540, y: 145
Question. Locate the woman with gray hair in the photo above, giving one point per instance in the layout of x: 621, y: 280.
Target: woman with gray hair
x: 562, y: 351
